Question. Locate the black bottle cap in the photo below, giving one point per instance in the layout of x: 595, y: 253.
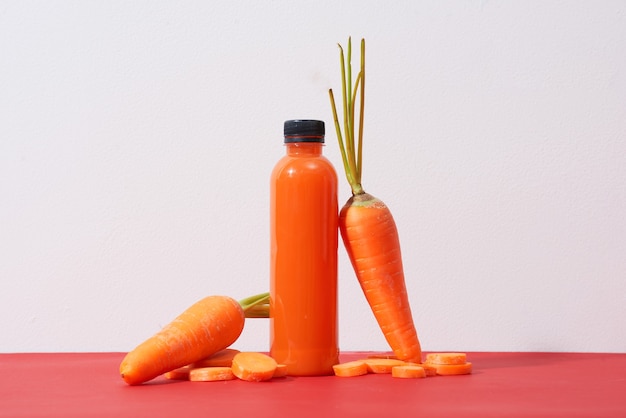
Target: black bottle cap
x: 304, y: 130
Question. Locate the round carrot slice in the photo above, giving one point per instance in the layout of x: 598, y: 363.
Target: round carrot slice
x: 350, y: 368
x: 408, y: 372
x: 222, y: 358
x: 253, y: 367
x: 389, y: 355
x: 380, y: 365
x: 446, y: 358
x: 428, y: 369
x: 452, y: 369
x: 181, y: 373
x: 281, y: 370
x: 211, y: 374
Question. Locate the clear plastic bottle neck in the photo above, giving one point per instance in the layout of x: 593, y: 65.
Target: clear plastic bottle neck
x: 304, y: 148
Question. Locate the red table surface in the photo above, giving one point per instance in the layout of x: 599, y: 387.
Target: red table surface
x: 502, y: 385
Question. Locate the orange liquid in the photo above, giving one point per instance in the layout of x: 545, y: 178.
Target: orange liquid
x: 303, y: 264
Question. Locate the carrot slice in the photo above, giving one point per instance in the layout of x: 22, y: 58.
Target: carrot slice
x: 181, y: 373
x: 281, y: 370
x: 408, y: 372
x: 446, y: 358
x: 382, y: 365
x: 452, y: 369
x: 383, y: 355
x: 222, y: 358
x: 253, y: 367
x: 429, y: 369
x: 211, y: 374
x: 350, y: 368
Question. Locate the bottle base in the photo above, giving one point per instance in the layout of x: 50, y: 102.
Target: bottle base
x: 306, y: 365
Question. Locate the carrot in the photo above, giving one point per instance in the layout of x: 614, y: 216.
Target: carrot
x: 380, y: 365
x: 350, y: 368
x: 446, y: 358
x: 206, y: 327
x: 408, y: 371
x: 451, y: 369
x: 222, y: 358
x: 368, y: 229
x: 253, y: 367
x: 383, y: 355
x: 430, y: 370
x: 211, y: 374
x: 181, y: 373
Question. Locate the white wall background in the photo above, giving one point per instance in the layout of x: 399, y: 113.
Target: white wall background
x: 137, y: 139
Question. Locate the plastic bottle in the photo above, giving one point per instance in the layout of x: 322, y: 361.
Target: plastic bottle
x: 303, y: 264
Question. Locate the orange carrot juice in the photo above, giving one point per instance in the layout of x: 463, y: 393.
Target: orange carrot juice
x: 303, y: 263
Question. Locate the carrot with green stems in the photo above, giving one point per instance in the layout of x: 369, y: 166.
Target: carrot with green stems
x: 206, y: 327
x: 367, y: 227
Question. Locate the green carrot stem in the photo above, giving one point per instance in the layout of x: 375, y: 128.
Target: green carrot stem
x: 259, y: 311
x: 342, y: 148
x: 359, y: 164
x: 248, y: 305
x: 349, y: 140
x: 355, y: 150
x: 351, y: 155
x: 349, y: 88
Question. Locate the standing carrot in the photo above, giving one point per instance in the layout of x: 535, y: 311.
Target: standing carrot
x: 368, y: 229
x: 206, y: 327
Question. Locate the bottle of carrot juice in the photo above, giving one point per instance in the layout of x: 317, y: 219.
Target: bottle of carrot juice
x: 303, y: 263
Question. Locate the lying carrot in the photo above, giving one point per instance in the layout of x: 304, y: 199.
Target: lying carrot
x: 350, y: 368
x: 408, y: 371
x: 446, y: 358
x: 381, y: 365
x: 369, y: 231
x: 206, y: 327
x: 211, y: 374
x: 253, y: 367
x: 223, y: 358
